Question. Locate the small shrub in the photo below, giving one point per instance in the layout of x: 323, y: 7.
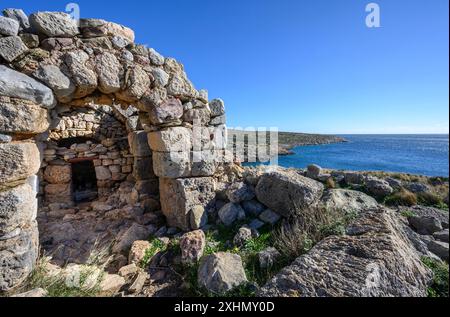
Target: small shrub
x: 429, y: 199
x: 401, y: 198
x: 330, y: 184
x: 407, y: 213
x: 439, y: 286
x: 155, y: 247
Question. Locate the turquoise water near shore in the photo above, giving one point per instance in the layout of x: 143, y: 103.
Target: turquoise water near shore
x: 415, y: 154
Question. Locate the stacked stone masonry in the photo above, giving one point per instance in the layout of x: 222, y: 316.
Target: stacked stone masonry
x: 140, y: 117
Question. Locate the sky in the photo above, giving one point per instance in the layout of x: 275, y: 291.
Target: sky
x: 300, y: 65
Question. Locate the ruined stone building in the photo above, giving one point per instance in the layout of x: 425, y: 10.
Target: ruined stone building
x: 84, y: 110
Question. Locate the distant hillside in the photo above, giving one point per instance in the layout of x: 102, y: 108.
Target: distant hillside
x: 289, y: 140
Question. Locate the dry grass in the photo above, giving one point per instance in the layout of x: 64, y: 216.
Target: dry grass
x: 299, y: 234
x: 401, y: 198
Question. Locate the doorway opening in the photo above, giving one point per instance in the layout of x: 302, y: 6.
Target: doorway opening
x: 84, y: 181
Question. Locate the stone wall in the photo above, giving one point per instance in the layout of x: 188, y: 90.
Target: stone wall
x: 49, y: 63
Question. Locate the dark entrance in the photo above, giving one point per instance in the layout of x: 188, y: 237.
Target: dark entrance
x: 84, y: 181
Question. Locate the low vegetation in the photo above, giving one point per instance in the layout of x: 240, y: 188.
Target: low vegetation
x: 439, y: 286
x: 401, y: 198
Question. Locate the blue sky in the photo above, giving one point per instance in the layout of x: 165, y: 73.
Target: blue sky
x: 300, y: 65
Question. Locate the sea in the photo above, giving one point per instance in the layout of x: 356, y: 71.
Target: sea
x: 414, y: 154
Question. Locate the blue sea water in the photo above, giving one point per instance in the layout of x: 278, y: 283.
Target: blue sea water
x: 415, y: 154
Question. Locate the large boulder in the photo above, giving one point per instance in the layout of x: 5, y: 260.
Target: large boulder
x: 18, y: 255
x: 99, y: 28
x: 58, y: 174
x: 231, y: 212
x: 179, y: 196
x: 239, y: 192
x: 18, y: 85
x: 18, y: 161
x: 172, y: 164
x: 8, y: 26
x: 22, y: 118
x: 54, y: 78
x: 174, y: 139
x: 347, y: 200
x: 109, y: 73
x: 378, y: 187
x: 192, y: 245
x: 11, y: 47
x: 18, y: 208
x: 425, y: 225
x: 54, y: 24
x: 139, y: 144
x: 19, y: 16
x: 287, y: 192
x: 375, y: 258
x: 221, y: 272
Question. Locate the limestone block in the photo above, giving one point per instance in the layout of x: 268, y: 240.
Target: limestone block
x: 58, y: 174
x: 143, y: 168
x: 139, y: 144
x: 179, y: 196
x: 171, y: 164
x: 18, y: 161
x: 18, y: 208
x: 18, y: 255
x: 23, y: 118
x: 173, y: 139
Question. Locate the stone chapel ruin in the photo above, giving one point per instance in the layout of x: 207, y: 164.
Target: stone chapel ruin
x: 83, y: 109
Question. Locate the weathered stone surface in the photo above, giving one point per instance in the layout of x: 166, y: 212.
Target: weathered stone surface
x: 198, y: 216
x: 167, y: 111
x: 156, y: 58
x: 268, y: 257
x: 243, y: 235
x: 179, y: 196
x: 192, y: 245
x: 378, y: 187
x: 221, y: 272
x: 54, y: 78
x: 269, y: 217
x: 102, y: 173
x: 313, y: 171
x: 240, y: 191
x: 424, y: 211
x: 18, y: 208
x: 418, y: 187
x: 111, y: 284
x: 217, y: 107
x: 19, y: 16
x: 197, y: 116
x: 425, y: 224
x: 137, y: 251
x: 218, y: 120
x: 439, y: 248
x: 58, y: 174
x: 18, y: 255
x: 54, y: 24
x: 253, y: 207
x: 137, y: 83
x: 5, y: 138
x: 126, y: 239
x: 18, y: 161
x: 81, y: 72
x: 139, y: 144
x: 98, y: 27
x: 161, y: 78
x: 377, y: 260
x: 441, y: 235
x: 8, y: 27
x: 173, y: 139
x: 59, y: 193
x: 286, y: 192
x: 18, y: 85
x: 128, y: 270
x: 139, y: 282
x: 230, y: 213
x: 23, y: 118
x: 143, y: 168
x: 171, y: 164
x: 11, y: 48
x: 108, y: 71
x: 348, y: 201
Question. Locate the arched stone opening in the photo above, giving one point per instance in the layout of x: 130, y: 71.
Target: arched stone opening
x: 86, y: 154
x: 52, y: 68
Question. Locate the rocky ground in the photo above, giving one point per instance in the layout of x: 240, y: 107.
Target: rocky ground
x: 268, y: 235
